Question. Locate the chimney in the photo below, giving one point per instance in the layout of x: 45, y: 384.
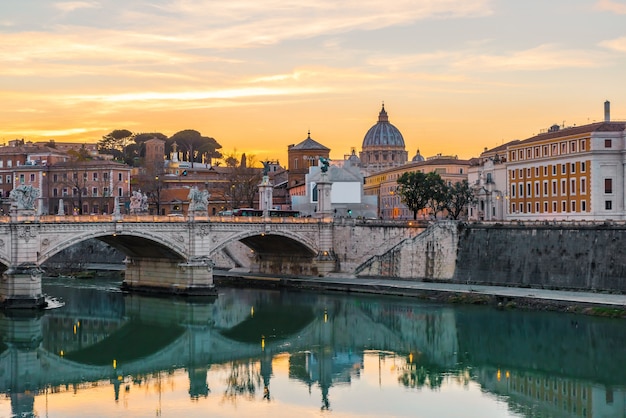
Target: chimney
x: 607, y: 111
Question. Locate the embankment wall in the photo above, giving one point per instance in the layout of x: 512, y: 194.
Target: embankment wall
x: 546, y: 255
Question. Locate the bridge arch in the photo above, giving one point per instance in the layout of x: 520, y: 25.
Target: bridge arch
x: 280, y: 242
x: 132, y: 243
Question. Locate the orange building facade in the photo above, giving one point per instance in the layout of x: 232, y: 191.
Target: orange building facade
x: 568, y: 174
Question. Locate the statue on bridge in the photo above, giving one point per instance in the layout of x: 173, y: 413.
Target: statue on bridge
x: 138, y: 202
x: 198, y: 200
x: 24, y: 197
x: 324, y: 164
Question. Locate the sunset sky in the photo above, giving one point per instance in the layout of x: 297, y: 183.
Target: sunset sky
x: 455, y: 75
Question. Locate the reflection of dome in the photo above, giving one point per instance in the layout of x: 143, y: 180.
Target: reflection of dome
x: 418, y: 157
x: 383, y: 146
x: 383, y: 133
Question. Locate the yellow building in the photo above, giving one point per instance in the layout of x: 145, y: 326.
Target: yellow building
x: 572, y: 173
x: 384, y: 183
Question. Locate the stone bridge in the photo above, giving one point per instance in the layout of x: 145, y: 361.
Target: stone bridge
x: 177, y: 254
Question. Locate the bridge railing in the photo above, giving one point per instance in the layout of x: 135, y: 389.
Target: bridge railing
x: 161, y: 218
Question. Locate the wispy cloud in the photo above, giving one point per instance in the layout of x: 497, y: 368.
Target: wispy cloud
x: 541, y: 58
x: 618, y: 44
x: 611, y: 6
x: 70, y: 6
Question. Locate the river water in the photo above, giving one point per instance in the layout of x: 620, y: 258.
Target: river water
x: 270, y: 353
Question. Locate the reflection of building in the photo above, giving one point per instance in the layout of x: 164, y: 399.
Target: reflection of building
x: 553, y: 396
x: 383, y: 146
x: 383, y: 184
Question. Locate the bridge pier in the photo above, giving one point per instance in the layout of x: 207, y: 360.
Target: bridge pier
x: 153, y: 275
x: 21, y: 287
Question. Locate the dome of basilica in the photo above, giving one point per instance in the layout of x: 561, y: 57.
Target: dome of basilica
x: 383, y: 134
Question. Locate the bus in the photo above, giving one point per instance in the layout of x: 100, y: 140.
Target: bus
x: 273, y: 213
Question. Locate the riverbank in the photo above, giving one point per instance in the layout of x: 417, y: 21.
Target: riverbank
x: 504, y: 297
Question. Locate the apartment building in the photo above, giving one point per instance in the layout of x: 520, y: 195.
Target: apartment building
x: 565, y: 173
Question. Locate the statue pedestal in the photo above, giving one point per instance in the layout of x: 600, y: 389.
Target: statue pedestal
x: 21, y: 287
x: 23, y: 215
x: 266, y: 196
x: 324, y: 202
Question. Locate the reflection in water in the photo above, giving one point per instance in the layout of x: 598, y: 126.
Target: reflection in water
x: 254, y: 352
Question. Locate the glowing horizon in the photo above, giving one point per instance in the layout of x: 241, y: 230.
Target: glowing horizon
x: 456, y: 76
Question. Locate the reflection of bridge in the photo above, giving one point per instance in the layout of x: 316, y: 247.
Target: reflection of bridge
x: 176, y: 255
x: 201, y: 334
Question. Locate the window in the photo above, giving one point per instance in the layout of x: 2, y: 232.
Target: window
x: 529, y: 153
x: 563, y: 169
x: 545, y: 188
x: 563, y: 206
x: 583, y: 206
x: 554, y: 170
x: 573, y: 168
x: 536, y: 207
x: 545, y: 170
x: 514, y: 208
x: 521, y: 173
x: 529, y: 208
x: 9, y: 181
x: 608, y: 204
x: 105, y: 192
x: 95, y: 176
x: 573, y: 206
x: 608, y: 186
x: 520, y: 188
x: 583, y: 185
x: 513, y: 190
x: 536, y: 171
x: 105, y: 175
x: 119, y: 176
x: 545, y: 207
x: 21, y: 178
x: 120, y: 191
x: 555, y: 149
x: 563, y: 148
x: 55, y: 192
x: 537, y: 152
x: 572, y: 186
x: 528, y: 172
x: 563, y: 187
x: 529, y: 189
x: 582, y: 145
x: 572, y: 146
x: 55, y: 178
x: 545, y: 150
x: 583, y: 167
x: 64, y: 192
x: 554, y: 207
x: 513, y: 174
x: 94, y: 191
x: 537, y: 192
x: 554, y: 192
x: 608, y: 143
x: 32, y: 177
